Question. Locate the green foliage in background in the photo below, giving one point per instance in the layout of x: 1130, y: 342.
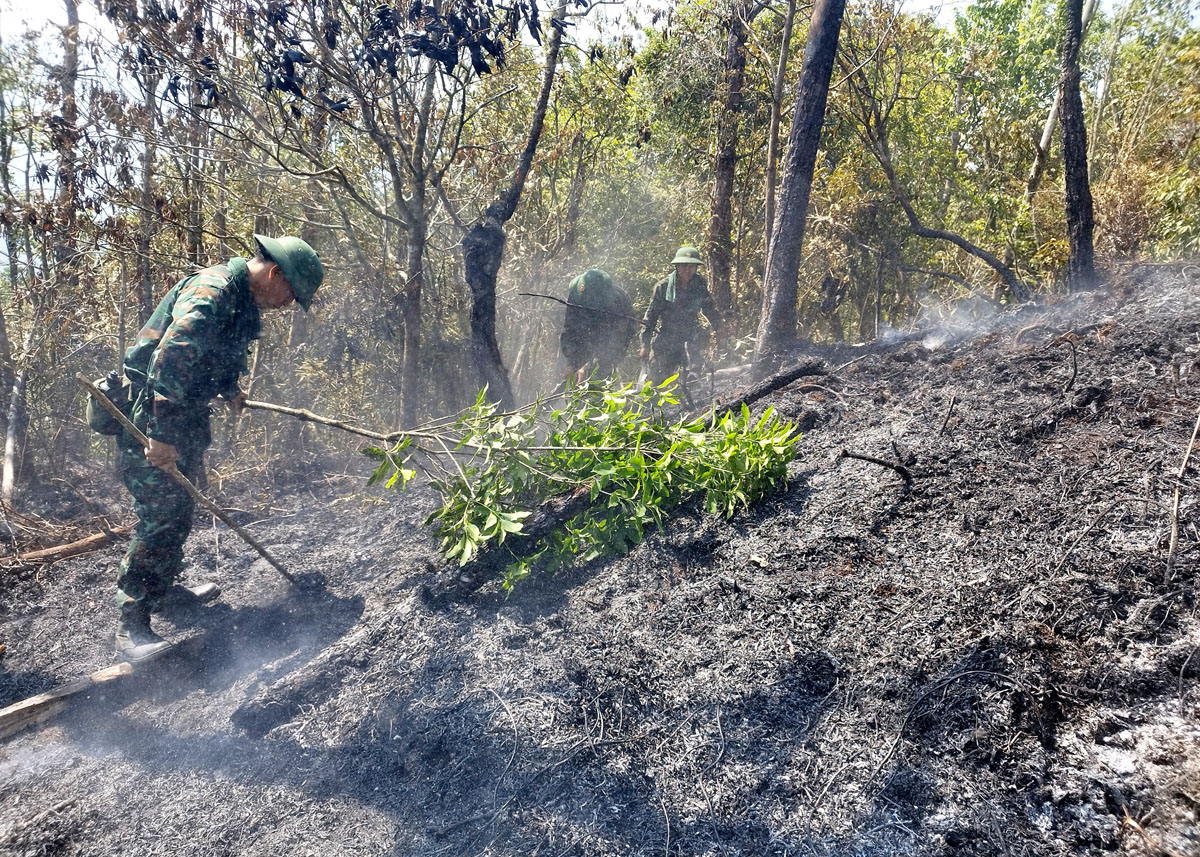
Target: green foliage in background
x: 494, y: 469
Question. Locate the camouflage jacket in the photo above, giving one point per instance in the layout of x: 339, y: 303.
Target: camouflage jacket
x: 598, y: 323
x: 676, y: 316
x: 194, y: 347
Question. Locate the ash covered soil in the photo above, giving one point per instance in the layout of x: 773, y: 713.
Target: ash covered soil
x: 993, y: 660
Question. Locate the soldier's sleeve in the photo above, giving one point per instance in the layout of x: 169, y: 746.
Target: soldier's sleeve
x: 573, y: 342
x: 180, y: 364
x: 629, y: 324
x: 650, y: 320
x: 709, y: 307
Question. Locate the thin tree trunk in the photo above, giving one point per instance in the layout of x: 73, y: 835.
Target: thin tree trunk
x: 1081, y: 273
x: 1105, y: 85
x: 955, y: 139
x: 16, y: 472
x: 149, y: 213
x: 483, y: 245
x: 773, y: 129
x: 720, y: 224
x: 1042, y: 153
x: 418, y: 237
x: 777, y: 327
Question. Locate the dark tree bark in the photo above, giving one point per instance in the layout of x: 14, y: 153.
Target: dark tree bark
x: 483, y: 245
x: 720, y: 224
x: 1081, y: 272
x: 777, y: 327
x: 785, y: 50
x: 418, y: 239
x: 1042, y: 153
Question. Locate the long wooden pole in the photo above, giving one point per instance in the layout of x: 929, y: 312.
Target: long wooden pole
x: 174, y: 473
x: 310, y: 417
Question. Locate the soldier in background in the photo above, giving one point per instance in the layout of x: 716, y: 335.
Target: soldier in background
x: 597, y: 327
x: 671, y: 332
x: 192, y: 349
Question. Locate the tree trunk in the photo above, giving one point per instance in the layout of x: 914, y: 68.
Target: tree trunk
x: 1042, y: 153
x: 773, y: 129
x: 1104, y: 87
x: 955, y: 140
x: 418, y: 237
x: 720, y: 224
x: 410, y: 393
x: 1081, y: 273
x: 17, y: 471
x: 483, y: 245
x: 777, y: 327
x: 149, y: 214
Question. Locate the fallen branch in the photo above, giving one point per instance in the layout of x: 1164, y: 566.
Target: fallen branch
x: 75, y: 548
x: 558, y: 510
x: 769, y: 385
x: 310, y: 417
x: 42, y: 707
x: 904, y: 472
x: 1175, y: 505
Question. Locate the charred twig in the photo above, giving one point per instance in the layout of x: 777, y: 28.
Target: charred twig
x: 516, y: 743
x: 99, y: 513
x: 904, y: 472
x: 183, y: 481
x: 1074, y: 362
x: 949, y: 413
x: 1153, y: 844
x: 1182, y: 672
x: 1030, y: 328
x: 778, y: 381
x: 1175, y: 504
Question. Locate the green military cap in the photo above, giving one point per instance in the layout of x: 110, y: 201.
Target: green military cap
x: 592, y: 277
x: 687, y: 256
x: 299, y: 263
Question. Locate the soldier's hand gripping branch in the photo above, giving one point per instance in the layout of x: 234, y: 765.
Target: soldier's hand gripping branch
x: 174, y: 473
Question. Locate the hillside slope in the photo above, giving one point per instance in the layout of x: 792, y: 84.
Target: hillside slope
x: 993, y: 660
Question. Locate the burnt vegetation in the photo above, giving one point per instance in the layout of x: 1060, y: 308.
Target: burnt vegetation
x: 994, y: 656
x: 921, y: 578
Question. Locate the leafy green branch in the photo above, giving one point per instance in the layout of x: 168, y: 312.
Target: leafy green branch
x: 493, y: 470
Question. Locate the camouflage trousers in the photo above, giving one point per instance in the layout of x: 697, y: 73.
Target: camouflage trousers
x: 667, y: 358
x: 164, y: 511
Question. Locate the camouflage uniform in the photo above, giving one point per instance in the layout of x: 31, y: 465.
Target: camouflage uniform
x: 192, y: 349
x: 675, y: 314
x: 598, y: 323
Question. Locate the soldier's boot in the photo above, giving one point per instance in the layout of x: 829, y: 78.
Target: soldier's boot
x: 190, y: 596
x: 135, y: 641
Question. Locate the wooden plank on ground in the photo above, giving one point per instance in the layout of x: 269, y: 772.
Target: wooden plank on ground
x: 37, y: 709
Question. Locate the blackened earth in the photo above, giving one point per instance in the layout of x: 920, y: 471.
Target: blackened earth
x: 997, y: 660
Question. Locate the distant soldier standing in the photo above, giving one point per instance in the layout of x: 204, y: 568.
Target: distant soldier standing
x: 597, y: 327
x: 671, y: 329
x: 192, y: 349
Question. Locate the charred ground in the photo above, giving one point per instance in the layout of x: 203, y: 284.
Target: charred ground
x: 991, y: 660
